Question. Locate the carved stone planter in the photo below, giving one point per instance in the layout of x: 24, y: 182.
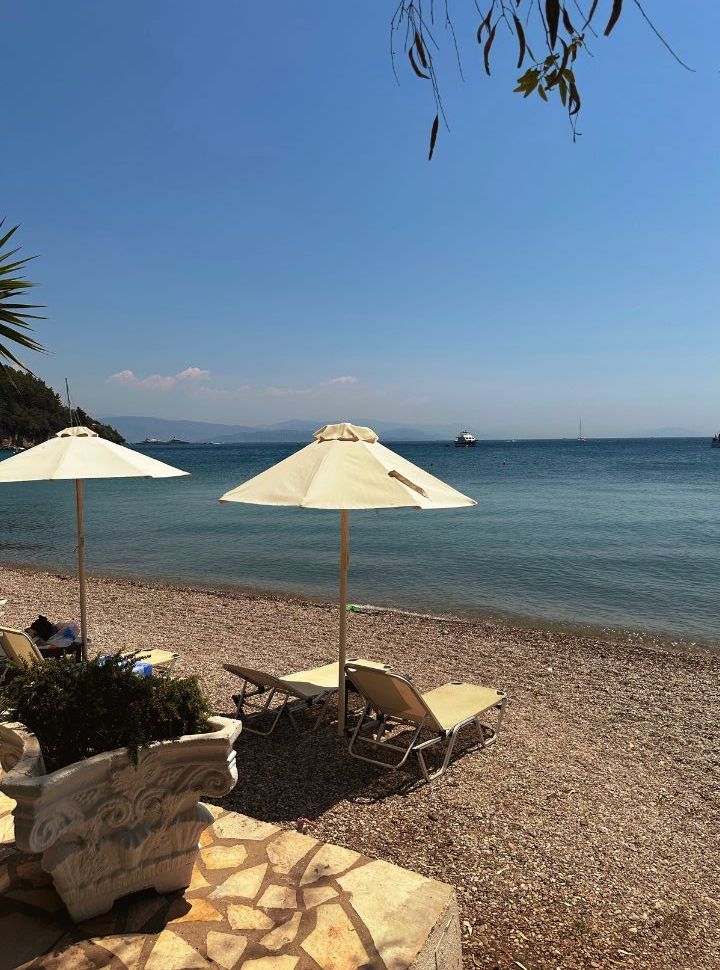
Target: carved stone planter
x: 105, y: 828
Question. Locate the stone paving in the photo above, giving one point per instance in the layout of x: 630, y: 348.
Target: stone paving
x: 261, y: 898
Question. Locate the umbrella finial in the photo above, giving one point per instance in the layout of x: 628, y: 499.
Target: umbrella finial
x: 77, y: 431
x: 344, y: 431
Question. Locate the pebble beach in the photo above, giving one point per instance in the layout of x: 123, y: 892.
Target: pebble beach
x: 587, y: 837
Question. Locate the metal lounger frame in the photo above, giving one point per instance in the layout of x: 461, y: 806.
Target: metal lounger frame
x: 379, y: 723
x: 166, y: 670
x: 249, y: 710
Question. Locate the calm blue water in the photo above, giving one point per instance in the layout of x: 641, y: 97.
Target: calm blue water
x: 616, y: 533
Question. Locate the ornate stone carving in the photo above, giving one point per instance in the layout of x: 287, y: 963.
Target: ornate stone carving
x: 105, y: 827
x: 15, y: 742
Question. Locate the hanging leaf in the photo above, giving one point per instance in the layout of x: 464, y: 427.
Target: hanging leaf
x: 528, y: 82
x: 433, y: 135
x: 420, y: 47
x: 614, y: 16
x: 486, y: 49
x: 591, y: 14
x: 567, y: 23
x: 521, y: 40
x: 415, y: 68
x: 565, y: 57
x: 552, y: 15
x: 562, y: 87
x: 573, y: 99
x: 484, y: 24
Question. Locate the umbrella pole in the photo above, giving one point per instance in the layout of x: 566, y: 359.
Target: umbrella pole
x: 344, y: 562
x: 81, y: 562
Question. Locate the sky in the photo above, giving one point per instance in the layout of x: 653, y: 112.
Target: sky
x: 235, y: 220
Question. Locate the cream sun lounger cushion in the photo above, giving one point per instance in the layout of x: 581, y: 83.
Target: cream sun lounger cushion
x: 314, y: 687
x: 392, y: 701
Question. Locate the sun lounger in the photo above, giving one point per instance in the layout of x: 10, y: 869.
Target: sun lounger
x: 304, y: 690
x: 391, y: 702
x: 161, y: 661
x: 17, y: 646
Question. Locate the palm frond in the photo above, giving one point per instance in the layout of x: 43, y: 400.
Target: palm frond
x: 15, y: 325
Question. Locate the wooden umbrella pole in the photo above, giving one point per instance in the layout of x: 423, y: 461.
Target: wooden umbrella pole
x: 344, y: 563
x: 81, y: 562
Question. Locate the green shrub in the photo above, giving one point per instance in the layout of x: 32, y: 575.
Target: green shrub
x: 77, y: 710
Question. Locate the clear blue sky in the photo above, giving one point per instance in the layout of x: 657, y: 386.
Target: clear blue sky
x: 243, y: 189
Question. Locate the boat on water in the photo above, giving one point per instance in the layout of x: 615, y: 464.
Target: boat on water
x: 580, y: 438
x: 715, y: 440
x: 465, y: 440
x: 159, y: 441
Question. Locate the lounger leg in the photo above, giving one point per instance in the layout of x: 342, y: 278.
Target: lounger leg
x: 323, y: 711
x: 240, y: 699
x: 406, y: 752
x: 486, y: 742
x: 359, y: 724
x: 306, y: 705
x: 422, y: 765
x: 481, y: 733
x: 245, y: 718
x: 293, y: 722
x: 291, y: 716
x: 503, y: 705
x: 431, y: 776
x: 164, y: 670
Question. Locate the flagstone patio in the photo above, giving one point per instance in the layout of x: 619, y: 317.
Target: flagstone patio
x: 261, y: 898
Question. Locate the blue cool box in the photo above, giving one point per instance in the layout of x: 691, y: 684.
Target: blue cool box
x: 140, y: 668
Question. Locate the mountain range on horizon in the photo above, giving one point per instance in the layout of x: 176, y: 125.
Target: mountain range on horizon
x: 136, y: 428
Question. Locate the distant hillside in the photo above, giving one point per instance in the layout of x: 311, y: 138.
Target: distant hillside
x: 31, y: 412
x: 136, y: 428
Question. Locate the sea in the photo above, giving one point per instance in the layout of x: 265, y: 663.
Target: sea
x: 612, y: 534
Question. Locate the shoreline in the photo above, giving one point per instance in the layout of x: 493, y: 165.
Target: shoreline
x: 490, y: 619
x: 579, y: 840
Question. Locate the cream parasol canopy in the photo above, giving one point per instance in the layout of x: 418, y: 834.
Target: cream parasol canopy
x: 78, y: 453
x: 347, y: 468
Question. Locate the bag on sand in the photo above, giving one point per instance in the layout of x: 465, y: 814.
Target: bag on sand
x: 42, y: 627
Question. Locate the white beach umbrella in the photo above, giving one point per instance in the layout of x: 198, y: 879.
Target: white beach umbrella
x: 346, y: 468
x: 78, y: 453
